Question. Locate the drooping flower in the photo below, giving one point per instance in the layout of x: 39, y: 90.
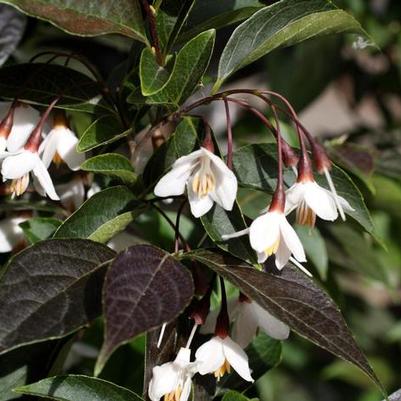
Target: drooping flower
x: 206, y: 178
x: 72, y: 194
x: 60, y: 145
x: 310, y: 199
x: 173, y: 380
x: 11, y: 234
x: 25, y: 118
x: 218, y: 355
x: 249, y: 317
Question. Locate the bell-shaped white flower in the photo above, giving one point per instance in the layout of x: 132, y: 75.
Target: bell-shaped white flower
x: 173, y: 380
x: 310, y: 199
x: 60, y: 146
x: 72, y: 194
x: 25, y: 120
x: 17, y: 167
x: 271, y: 234
x: 11, y: 234
x: 249, y: 317
x: 218, y: 355
x: 206, y: 178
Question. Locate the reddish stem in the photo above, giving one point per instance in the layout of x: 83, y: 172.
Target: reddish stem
x: 223, y: 321
x: 229, y: 135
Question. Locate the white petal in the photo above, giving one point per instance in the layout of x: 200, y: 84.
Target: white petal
x: 3, y: 144
x: 293, y: 197
x: 173, y: 183
x: 262, y: 257
x: 25, y: 120
x: 164, y: 380
x: 290, y: 237
x: 320, y: 201
x: 225, y: 192
x: 210, y: 356
x: 272, y: 326
x: 186, y: 389
x: 43, y: 176
x: 72, y: 194
x: 49, y: 148
x: 245, y: 325
x: 188, y: 159
x: 264, y: 231
x: 18, y: 165
x: 282, y: 255
x: 67, y: 149
x: 10, y: 233
x: 343, y: 202
x: 199, y: 205
x: 237, y: 358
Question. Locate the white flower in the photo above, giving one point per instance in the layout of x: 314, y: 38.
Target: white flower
x: 60, y: 145
x: 206, y: 178
x: 249, y: 317
x: 17, y: 168
x: 271, y: 234
x: 11, y: 234
x: 25, y: 120
x: 310, y: 199
x: 173, y: 379
x: 218, y: 355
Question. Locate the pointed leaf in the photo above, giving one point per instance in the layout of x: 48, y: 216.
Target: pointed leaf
x: 78, y: 388
x: 190, y: 65
x: 144, y: 288
x: 40, y: 84
x: 282, y: 24
x: 50, y: 289
x: 89, y: 17
x: 102, y: 216
x: 294, y: 299
x: 111, y: 164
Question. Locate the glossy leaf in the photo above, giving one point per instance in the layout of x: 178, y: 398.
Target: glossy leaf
x: 144, y: 288
x: 41, y: 83
x: 88, y: 18
x: 190, y: 65
x: 50, y: 289
x: 39, y: 228
x: 12, y: 27
x: 111, y: 164
x: 282, y: 24
x: 256, y: 168
x: 78, y: 388
x: 102, y: 216
x: 294, y: 299
x: 102, y: 131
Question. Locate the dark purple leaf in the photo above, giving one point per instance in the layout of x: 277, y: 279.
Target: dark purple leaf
x: 296, y: 300
x: 51, y: 289
x: 144, y: 288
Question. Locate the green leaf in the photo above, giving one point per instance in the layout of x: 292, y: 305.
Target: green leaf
x: 282, y: 24
x: 294, y: 299
x: 103, y: 130
x: 111, y: 164
x: 130, y: 303
x: 234, y: 396
x: 209, y: 14
x: 315, y: 248
x: 190, y: 65
x: 102, y: 216
x: 39, y: 228
x: 256, y: 167
x: 89, y: 17
x: 40, y: 84
x: 78, y: 388
x: 50, y: 290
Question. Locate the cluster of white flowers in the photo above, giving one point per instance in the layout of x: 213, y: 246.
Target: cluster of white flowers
x: 23, y: 152
x: 207, y: 179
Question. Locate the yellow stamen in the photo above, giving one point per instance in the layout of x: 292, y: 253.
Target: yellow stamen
x: 305, y: 215
x: 19, y: 185
x: 174, y: 395
x: 273, y: 248
x: 204, y: 180
x: 57, y: 159
x: 222, y: 370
